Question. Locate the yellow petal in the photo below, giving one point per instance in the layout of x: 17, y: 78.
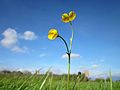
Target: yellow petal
x: 52, y: 34
x: 65, y: 17
x: 72, y: 15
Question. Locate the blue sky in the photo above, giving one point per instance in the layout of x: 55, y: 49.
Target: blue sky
x: 24, y: 26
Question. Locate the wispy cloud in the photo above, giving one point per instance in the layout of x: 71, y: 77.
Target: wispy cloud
x: 11, y: 39
x: 28, y: 35
x: 17, y: 49
x: 73, y: 55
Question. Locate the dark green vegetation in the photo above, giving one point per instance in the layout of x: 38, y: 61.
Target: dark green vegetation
x: 19, y: 81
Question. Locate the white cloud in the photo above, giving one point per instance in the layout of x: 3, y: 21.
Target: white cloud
x: 95, y: 66
x: 29, y: 35
x: 10, y: 38
x: 73, y: 55
x: 18, y: 49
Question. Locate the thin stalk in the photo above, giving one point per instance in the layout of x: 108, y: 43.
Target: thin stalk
x: 68, y: 79
x: 51, y: 80
x: 65, y: 43
x: 72, y: 36
x: 110, y: 73
x: 45, y: 79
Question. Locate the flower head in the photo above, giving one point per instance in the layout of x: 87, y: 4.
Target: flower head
x: 65, y: 17
x: 52, y: 34
x: 72, y: 15
x: 68, y: 17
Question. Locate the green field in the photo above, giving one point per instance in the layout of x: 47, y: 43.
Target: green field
x: 51, y: 82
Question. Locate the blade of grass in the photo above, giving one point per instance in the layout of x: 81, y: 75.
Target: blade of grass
x: 110, y: 73
x: 47, y: 74
x: 51, y: 79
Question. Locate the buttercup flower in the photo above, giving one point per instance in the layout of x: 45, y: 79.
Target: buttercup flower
x: 68, y: 18
x: 72, y: 16
x: 65, y: 17
x: 52, y: 34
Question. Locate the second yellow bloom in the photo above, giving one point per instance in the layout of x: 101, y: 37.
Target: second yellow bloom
x: 68, y: 17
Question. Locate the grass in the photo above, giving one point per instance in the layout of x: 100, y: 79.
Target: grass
x: 50, y: 82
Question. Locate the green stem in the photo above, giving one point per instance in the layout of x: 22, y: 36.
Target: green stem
x: 65, y: 43
x: 68, y: 79
x: 72, y: 36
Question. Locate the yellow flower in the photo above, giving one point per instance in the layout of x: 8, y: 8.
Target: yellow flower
x: 68, y: 18
x: 65, y: 17
x: 52, y: 34
x: 72, y: 16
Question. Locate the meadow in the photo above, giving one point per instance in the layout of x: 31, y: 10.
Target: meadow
x: 49, y: 81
